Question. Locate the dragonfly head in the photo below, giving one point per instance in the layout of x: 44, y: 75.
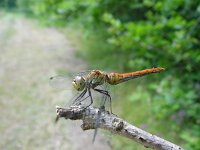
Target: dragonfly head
x: 78, y: 83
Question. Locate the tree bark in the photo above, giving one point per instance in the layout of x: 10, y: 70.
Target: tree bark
x: 115, y: 125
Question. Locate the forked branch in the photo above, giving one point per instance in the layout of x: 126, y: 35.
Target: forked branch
x: 115, y: 125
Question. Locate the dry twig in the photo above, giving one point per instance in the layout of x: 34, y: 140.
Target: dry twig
x: 115, y: 125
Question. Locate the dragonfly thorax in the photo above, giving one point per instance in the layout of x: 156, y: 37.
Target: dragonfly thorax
x: 78, y: 83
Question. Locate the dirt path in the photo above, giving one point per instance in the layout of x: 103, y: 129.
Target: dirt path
x: 29, y: 55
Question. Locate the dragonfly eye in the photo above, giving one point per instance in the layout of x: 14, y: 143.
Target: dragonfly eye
x: 79, y: 83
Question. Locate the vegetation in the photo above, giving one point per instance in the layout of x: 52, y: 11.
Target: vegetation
x: 133, y: 35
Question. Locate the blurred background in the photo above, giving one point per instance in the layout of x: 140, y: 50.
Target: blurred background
x: 41, y: 38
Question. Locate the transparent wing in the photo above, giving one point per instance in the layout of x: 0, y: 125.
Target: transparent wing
x: 63, y: 82
x: 82, y: 73
x: 103, y: 100
x: 60, y: 82
x: 66, y: 93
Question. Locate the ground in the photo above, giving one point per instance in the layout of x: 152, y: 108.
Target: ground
x: 29, y: 55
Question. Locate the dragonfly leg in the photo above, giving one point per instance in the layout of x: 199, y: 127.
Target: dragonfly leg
x: 82, y: 100
x: 90, y: 95
x: 108, y: 95
x: 79, y: 97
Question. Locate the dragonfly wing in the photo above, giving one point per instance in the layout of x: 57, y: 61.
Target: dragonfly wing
x: 101, y: 108
x: 63, y: 82
x: 82, y: 73
x: 60, y: 82
x: 96, y: 125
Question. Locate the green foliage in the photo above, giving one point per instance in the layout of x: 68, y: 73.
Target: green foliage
x: 8, y: 4
x: 140, y: 34
x: 57, y: 12
x: 168, y: 37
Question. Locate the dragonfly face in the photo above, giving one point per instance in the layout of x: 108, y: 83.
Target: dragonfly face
x: 78, y: 83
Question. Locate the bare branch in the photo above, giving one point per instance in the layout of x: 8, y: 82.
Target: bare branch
x: 115, y: 125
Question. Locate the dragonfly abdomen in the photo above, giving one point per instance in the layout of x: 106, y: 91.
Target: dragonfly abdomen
x: 116, y: 78
x: 113, y: 78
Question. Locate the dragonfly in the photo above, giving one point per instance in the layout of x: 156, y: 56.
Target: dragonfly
x: 84, y: 82
x: 94, y: 79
